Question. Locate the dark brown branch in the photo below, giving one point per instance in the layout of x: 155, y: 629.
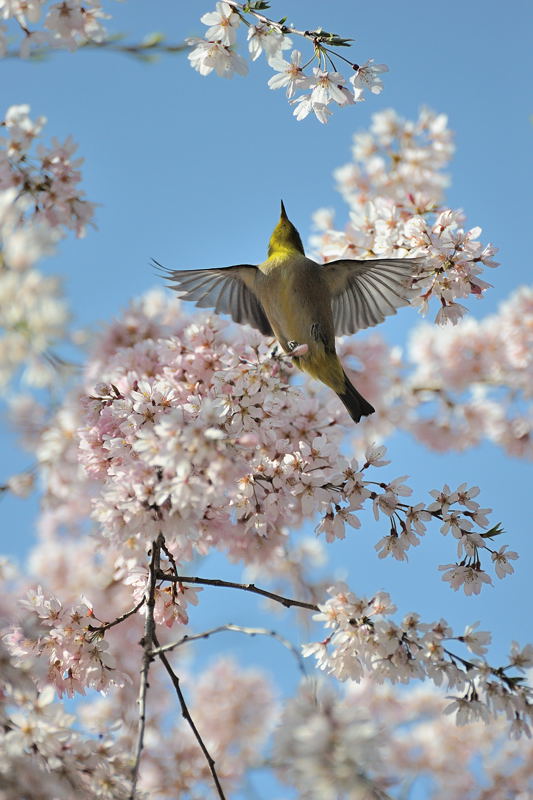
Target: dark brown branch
x: 288, y: 602
x: 186, y: 716
x: 96, y: 629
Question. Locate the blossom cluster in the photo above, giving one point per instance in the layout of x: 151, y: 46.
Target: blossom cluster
x: 181, y: 430
x: 375, y: 742
x: 325, y: 748
x: 36, y: 735
x: 408, y: 522
x: 453, y: 386
x: 475, y: 380
x: 47, y: 183
x: 45, y: 752
x: 65, y: 25
x: 365, y: 639
x: 40, y: 200
x: 76, y: 660
x: 394, y: 191
x: 198, y: 437
x: 234, y: 709
x: 323, y: 87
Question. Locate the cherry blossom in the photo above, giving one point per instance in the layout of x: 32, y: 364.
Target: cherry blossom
x: 224, y: 23
x: 209, y: 56
x: 290, y: 74
x: 366, y: 76
x: 261, y: 38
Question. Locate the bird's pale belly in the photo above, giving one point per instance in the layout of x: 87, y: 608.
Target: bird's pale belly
x: 288, y: 309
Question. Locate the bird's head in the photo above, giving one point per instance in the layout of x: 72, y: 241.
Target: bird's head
x: 285, y: 238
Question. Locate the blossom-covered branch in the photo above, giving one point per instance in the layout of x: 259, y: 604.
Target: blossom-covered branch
x: 394, y: 188
x: 326, y: 85
x: 64, y: 25
x: 40, y: 200
x: 365, y: 640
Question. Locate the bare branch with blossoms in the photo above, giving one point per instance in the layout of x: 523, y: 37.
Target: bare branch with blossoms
x: 367, y: 641
x: 326, y: 85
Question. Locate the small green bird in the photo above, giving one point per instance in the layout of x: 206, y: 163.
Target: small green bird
x: 301, y: 302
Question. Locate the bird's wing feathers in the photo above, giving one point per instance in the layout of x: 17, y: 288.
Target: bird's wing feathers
x: 363, y: 293
x: 229, y: 290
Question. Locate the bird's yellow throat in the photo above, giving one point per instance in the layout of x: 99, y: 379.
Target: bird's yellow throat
x: 285, y: 238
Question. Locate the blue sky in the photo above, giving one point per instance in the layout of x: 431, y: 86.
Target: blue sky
x: 190, y: 171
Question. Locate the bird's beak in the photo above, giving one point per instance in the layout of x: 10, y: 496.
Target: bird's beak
x: 283, y: 212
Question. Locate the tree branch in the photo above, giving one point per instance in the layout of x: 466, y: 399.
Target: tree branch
x: 288, y: 602
x: 147, y: 643
x: 96, y: 629
x: 238, y: 629
x: 186, y: 715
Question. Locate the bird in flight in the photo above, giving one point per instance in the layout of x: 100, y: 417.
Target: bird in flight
x: 301, y: 302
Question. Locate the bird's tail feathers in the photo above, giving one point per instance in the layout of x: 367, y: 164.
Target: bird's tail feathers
x: 355, y: 403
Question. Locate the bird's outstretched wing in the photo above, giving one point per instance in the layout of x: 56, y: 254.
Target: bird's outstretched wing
x: 229, y: 290
x: 364, y: 292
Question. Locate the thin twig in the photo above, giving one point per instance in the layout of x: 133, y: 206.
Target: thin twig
x: 145, y: 52
x: 186, y: 715
x: 106, y: 625
x: 238, y: 629
x: 288, y: 602
x: 147, y: 643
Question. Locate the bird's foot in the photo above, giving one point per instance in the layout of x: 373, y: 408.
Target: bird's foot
x: 296, y: 350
